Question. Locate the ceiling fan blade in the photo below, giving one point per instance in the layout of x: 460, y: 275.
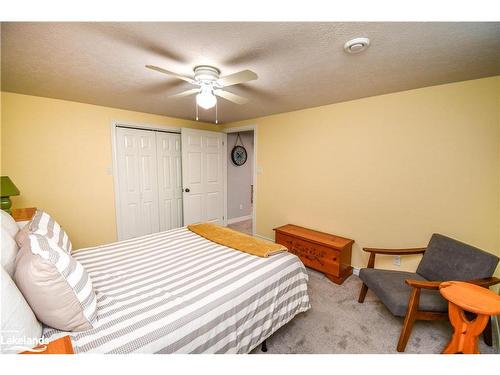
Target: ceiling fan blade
x: 185, y: 93
x: 165, y: 71
x: 240, y: 77
x: 163, y: 86
x: 231, y: 97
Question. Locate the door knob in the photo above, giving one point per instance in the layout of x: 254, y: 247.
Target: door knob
x: 187, y: 190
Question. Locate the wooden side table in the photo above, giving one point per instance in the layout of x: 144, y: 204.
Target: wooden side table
x: 475, y: 299
x: 23, y: 214
x: 60, y: 346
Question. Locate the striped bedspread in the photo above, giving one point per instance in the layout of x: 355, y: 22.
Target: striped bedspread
x: 176, y: 292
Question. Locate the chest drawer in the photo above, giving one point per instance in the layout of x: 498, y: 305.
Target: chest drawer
x: 315, y: 256
x: 284, y: 240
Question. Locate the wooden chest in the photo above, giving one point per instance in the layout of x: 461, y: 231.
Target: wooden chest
x: 320, y: 251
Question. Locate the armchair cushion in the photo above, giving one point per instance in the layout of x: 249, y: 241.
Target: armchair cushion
x: 448, y: 259
x: 391, y: 289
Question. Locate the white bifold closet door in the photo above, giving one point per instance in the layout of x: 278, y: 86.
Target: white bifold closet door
x: 149, y: 176
x: 168, y: 147
x: 203, y: 172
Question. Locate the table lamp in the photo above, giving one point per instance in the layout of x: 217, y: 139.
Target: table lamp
x: 7, y: 189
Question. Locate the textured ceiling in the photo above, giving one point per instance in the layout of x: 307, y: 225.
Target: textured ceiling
x: 300, y: 65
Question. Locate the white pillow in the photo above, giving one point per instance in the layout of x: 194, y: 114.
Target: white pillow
x: 9, y: 224
x: 55, y: 285
x: 9, y: 252
x: 18, y: 323
x: 44, y: 224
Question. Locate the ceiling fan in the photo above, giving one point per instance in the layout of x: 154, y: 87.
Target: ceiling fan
x: 210, y: 84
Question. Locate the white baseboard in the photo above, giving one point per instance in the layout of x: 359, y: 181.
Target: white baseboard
x: 264, y: 238
x: 238, y: 219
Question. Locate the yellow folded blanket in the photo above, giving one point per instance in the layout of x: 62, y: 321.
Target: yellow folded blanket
x: 236, y: 240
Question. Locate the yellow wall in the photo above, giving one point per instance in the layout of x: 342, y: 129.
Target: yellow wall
x: 387, y: 171
x: 57, y: 153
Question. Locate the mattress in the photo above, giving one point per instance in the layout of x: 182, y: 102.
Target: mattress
x: 176, y: 292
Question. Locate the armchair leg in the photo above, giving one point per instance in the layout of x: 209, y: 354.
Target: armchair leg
x: 410, y: 316
x: 362, y: 293
x: 364, y: 288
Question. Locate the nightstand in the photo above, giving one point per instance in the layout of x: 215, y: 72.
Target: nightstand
x: 23, y: 215
x: 60, y: 346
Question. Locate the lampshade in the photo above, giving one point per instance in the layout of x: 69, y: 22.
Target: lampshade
x: 7, y: 187
x: 206, y: 98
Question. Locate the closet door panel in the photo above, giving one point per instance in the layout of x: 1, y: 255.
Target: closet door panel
x: 177, y: 171
x: 149, y: 182
x: 169, y: 180
x: 138, y: 185
x: 129, y: 186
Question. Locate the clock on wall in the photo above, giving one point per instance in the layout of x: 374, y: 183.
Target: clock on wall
x: 238, y: 153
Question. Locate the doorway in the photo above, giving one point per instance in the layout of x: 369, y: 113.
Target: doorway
x: 241, y: 172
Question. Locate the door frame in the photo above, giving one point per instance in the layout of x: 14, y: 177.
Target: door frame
x: 254, y: 174
x: 114, y: 166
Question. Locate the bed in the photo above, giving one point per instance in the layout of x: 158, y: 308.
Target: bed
x: 177, y: 292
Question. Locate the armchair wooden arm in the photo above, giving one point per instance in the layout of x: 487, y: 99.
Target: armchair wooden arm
x: 485, y: 283
x: 416, y: 250
x: 374, y: 251
x: 420, y: 284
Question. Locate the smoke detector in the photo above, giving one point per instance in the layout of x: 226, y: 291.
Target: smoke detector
x: 356, y: 45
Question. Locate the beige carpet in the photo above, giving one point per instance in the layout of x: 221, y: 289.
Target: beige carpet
x: 242, y: 226
x: 337, y: 323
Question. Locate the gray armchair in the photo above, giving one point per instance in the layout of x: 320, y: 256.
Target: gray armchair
x: 415, y: 296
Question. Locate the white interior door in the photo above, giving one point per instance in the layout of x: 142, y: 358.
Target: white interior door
x: 138, y: 184
x: 203, y: 173
x: 168, y: 147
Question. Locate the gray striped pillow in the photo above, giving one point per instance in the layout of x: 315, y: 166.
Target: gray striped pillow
x: 42, y: 223
x: 55, y: 285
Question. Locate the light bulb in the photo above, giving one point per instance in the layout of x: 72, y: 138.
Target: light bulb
x: 206, y: 99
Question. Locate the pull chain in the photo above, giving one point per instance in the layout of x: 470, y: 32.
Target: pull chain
x: 216, y: 118
x: 196, y: 104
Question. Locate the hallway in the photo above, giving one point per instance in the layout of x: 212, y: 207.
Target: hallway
x: 242, y: 226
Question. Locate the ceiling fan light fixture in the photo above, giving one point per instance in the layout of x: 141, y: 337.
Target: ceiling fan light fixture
x: 206, y: 73
x: 206, y: 99
x: 210, y: 85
